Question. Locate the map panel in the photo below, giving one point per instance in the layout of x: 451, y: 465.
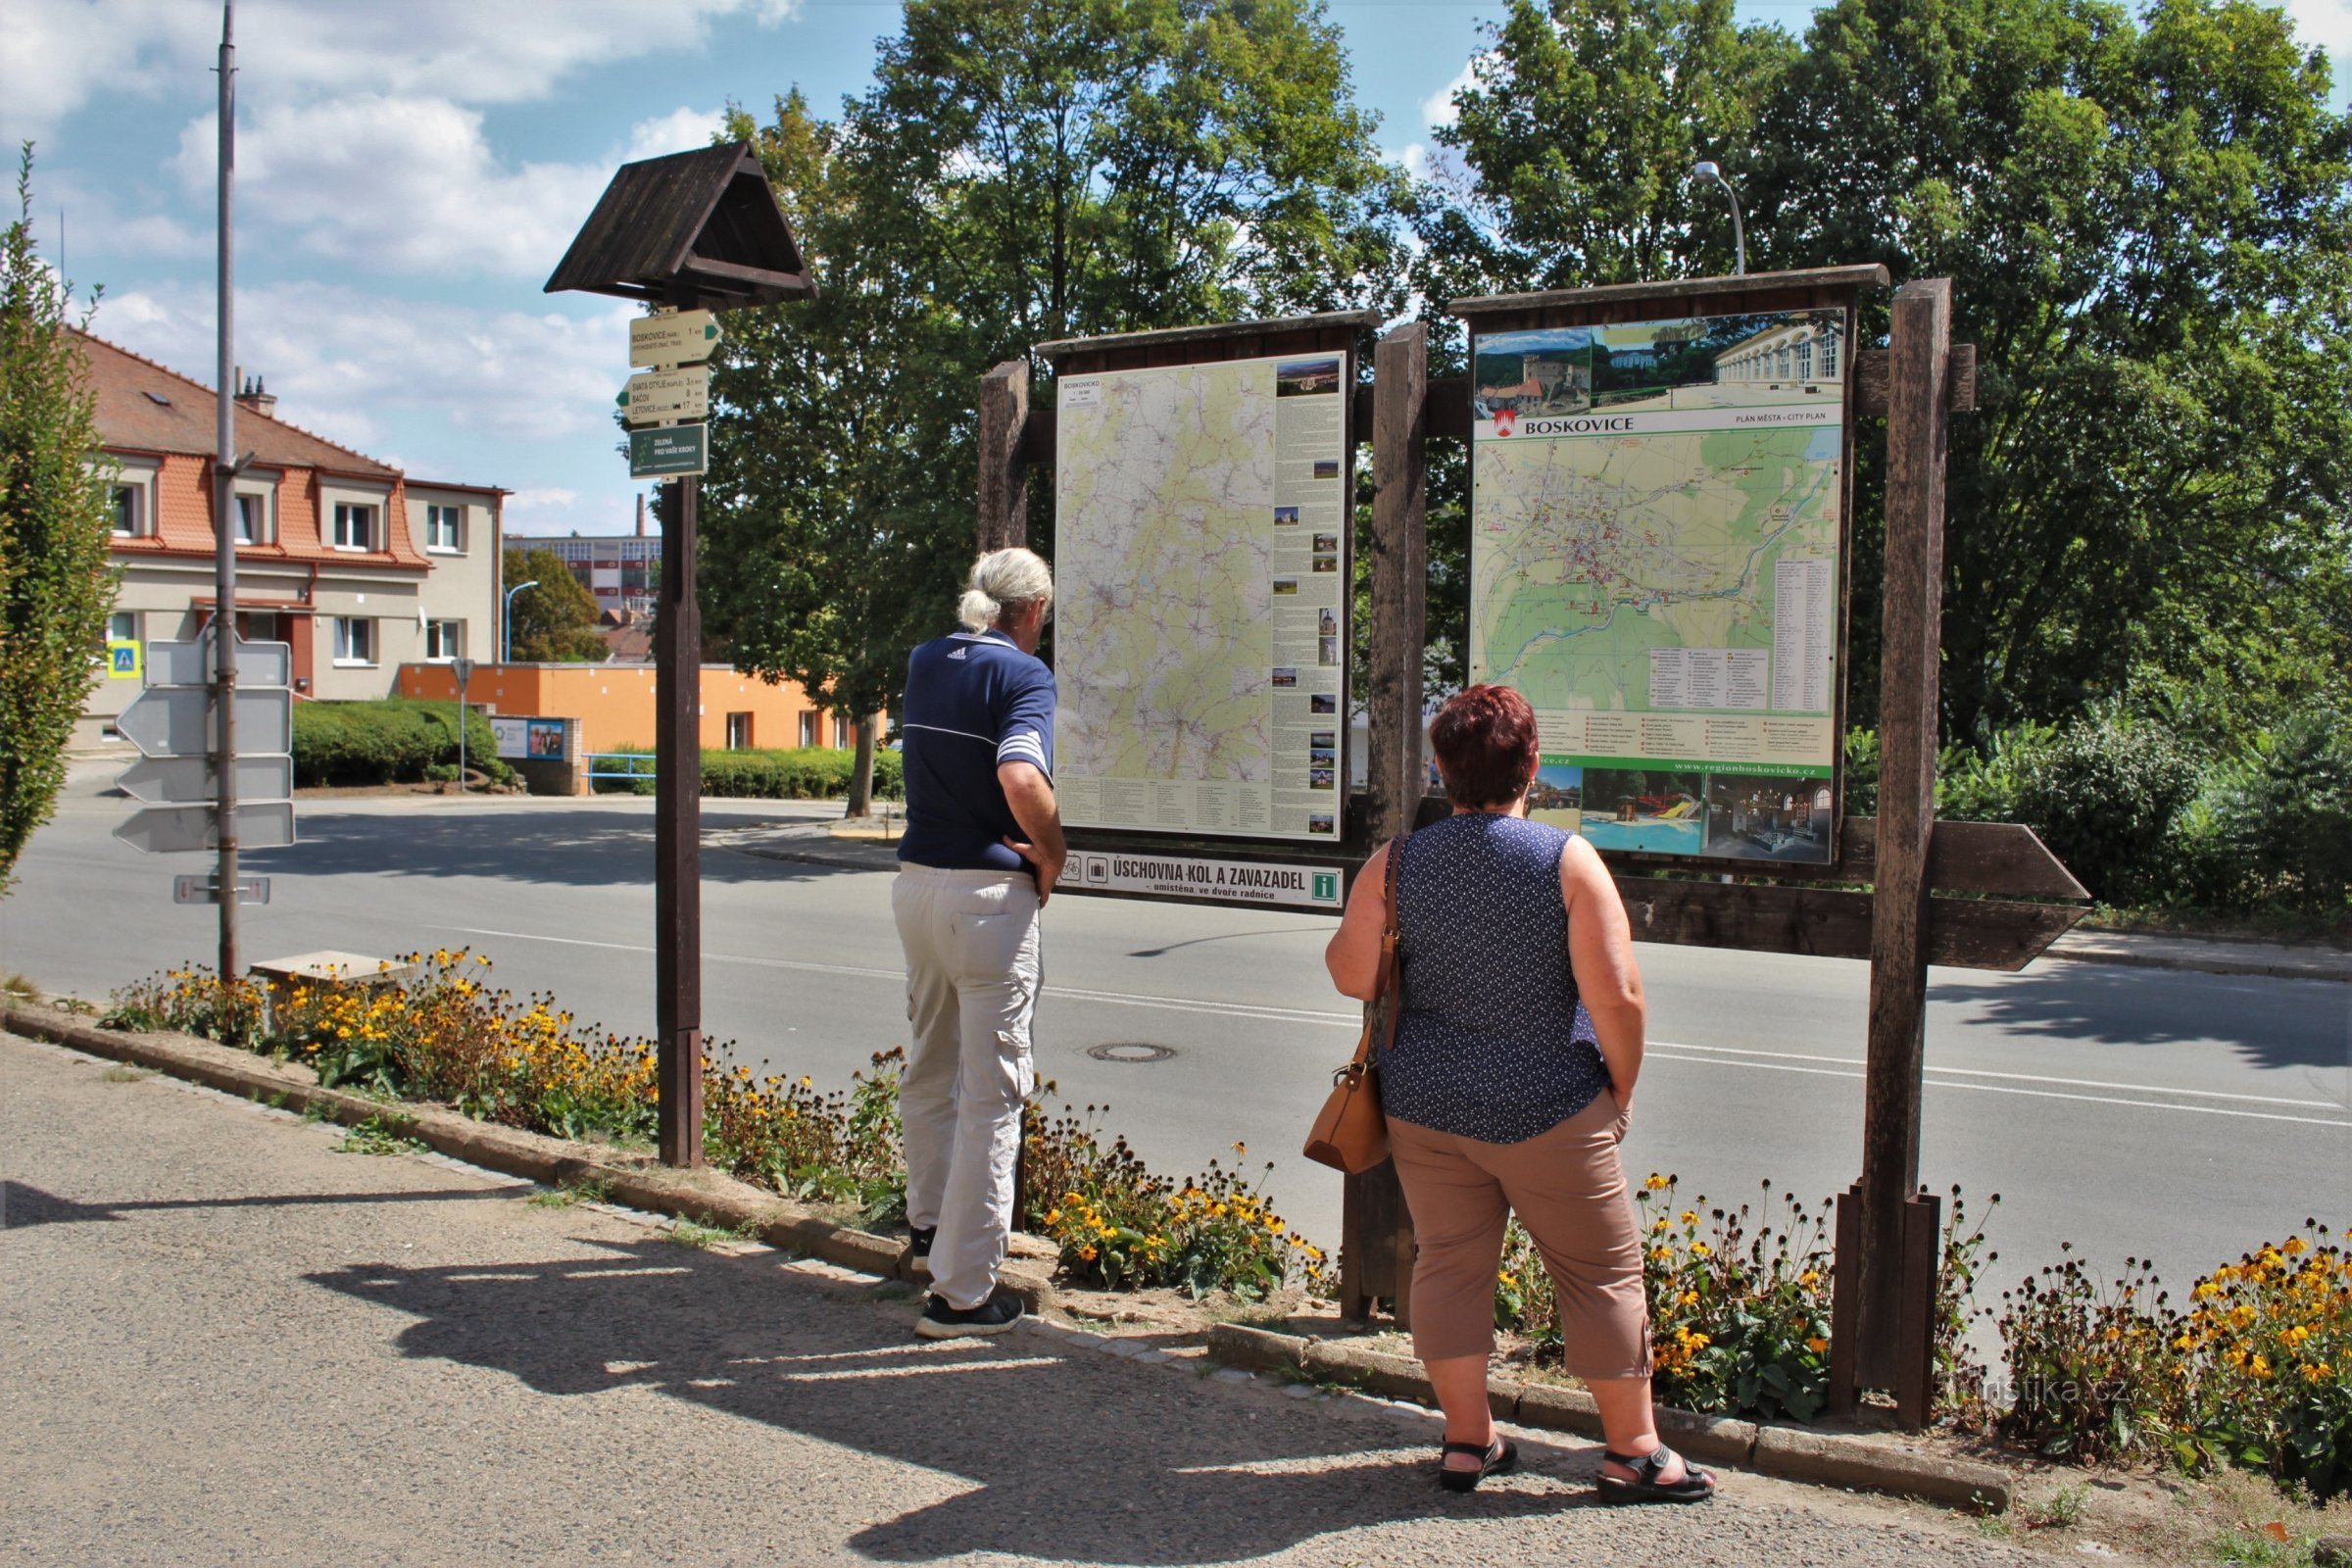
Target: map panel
x: 1658, y: 519
x: 1200, y: 602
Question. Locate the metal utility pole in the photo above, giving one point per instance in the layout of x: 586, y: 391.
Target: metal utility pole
x: 224, y: 532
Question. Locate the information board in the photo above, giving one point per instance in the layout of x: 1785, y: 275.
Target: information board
x: 1200, y: 598
x: 1659, y: 516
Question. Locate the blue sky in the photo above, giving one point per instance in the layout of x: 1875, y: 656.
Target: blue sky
x: 410, y: 171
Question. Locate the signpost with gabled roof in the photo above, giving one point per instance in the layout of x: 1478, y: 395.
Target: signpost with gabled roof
x: 695, y: 231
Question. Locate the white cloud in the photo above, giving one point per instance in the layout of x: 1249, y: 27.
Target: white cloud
x: 363, y: 369
x: 1438, y: 109
x: 412, y: 184
x: 1412, y: 158
x: 63, y: 53
x: 541, y: 498
x: 2326, y: 24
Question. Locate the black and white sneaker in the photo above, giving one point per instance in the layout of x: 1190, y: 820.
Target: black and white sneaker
x: 918, y: 1243
x: 940, y: 1321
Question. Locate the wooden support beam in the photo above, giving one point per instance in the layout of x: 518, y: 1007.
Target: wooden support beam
x: 1003, y: 494
x: 1871, y: 370
x: 1918, y: 438
x: 1396, y: 775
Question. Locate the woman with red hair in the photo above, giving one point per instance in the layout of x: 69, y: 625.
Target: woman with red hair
x: 1508, y: 1088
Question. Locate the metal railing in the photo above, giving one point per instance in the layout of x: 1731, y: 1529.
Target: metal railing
x: 639, y: 766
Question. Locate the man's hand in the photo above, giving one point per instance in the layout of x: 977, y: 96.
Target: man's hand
x: 1049, y: 866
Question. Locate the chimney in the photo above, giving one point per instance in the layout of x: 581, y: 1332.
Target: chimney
x: 254, y: 394
x: 640, y: 514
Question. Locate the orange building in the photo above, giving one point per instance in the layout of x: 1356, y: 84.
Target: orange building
x: 614, y: 703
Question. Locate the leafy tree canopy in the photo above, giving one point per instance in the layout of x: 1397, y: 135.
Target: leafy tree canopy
x: 554, y: 622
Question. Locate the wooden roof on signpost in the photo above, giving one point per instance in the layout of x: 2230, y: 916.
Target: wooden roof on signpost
x: 705, y: 221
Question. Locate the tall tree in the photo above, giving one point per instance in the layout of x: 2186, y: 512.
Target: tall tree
x: 2149, y: 228
x: 552, y: 622
x: 57, y: 582
x: 1021, y: 171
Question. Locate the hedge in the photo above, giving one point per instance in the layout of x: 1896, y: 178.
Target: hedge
x: 802, y: 773
x: 391, y: 740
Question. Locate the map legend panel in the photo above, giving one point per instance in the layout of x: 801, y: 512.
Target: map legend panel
x: 1201, y: 552
x: 1658, y: 516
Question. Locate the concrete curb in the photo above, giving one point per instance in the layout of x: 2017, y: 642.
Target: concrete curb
x: 1866, y: 1463
x: 705, y: 1196
x: 2322, y: 965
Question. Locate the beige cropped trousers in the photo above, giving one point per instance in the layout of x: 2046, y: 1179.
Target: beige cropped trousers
x: 1567, y: 1187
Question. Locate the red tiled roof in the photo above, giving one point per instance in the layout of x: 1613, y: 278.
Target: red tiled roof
x: 131, y: 419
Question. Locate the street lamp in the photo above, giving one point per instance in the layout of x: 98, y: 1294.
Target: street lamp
x: 505, y: 625
x: 1704, y: 170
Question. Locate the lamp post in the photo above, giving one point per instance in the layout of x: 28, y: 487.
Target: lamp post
x: 1704, y: 170
x: 505, y: 623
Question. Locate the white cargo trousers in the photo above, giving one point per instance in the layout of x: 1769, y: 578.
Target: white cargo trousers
x: 971, y: 944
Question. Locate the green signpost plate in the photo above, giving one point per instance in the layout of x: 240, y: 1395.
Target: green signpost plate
x: 668, y: 451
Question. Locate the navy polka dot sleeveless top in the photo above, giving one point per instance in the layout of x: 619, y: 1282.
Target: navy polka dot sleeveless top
x: 1493, y: 1043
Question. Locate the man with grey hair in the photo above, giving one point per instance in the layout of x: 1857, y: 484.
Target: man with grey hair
x: 982, y: 849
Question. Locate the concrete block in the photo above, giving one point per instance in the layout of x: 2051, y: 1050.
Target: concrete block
x: 1874, y: 1465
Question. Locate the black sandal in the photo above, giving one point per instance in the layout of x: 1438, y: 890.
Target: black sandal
x: 1696, y: 1486
x: 1500, y: 1459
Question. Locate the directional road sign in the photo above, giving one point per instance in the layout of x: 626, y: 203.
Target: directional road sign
x: 681, y: 337
x: 170, y: 829
x: 668, y: 452
x: 190, y: 663
x: 177, y: 720
x: 188, y: 780
x: 206, y: 889
x: 665, y: 395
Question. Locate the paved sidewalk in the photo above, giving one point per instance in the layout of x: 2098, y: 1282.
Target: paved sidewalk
x: 229, y: 1341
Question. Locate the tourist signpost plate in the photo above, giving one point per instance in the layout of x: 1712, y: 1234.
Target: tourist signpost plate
x: 668, y: 452
x: 179, y: 829
x: 177, y: 720
x: 206, y: 889
x: 190, y: 663
x: 678, y: 337
x: 187, y: 780
x: 663, y: 395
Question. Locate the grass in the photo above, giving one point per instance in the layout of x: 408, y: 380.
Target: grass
x: 122, y: 1074
x: 588, y: 1191
x: 2061, y: 1509
x: 17, y: 986
x: 695, y: 1234
x: 380, y: 1135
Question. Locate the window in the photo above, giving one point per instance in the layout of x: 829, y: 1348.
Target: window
x: 126, y: 499
x: 807, y: 730
x: 442, y: 528
x: 1805, y: 361
x: 1829, y: 357
x: 841, y: 733
x: 739, y: 732
x: 253, y: 513
x: 354, y: 527
x: 444, y: 640
x: 355, y: 640
x: 123, y: 626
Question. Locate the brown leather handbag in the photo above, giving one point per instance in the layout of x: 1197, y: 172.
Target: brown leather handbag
x: 1351, y: 1133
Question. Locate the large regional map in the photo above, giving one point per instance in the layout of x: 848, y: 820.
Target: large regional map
x: 1200, y: 597
x: 1655, y: 565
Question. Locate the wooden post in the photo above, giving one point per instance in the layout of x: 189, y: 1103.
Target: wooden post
x: 679, y: 831
x: 1003, y: 472
x: 1917, y: 439
x: 1376, y: 1229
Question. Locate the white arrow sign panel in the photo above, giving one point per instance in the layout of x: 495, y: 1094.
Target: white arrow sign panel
x: 186, y: 780
x: 668, y: 395
x: 177, y: 720
x: 190, y: 663
x: 174, y: 829
x: 681, y: 337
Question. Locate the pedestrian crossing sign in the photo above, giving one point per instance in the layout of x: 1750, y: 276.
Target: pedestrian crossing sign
x: 123, y: 658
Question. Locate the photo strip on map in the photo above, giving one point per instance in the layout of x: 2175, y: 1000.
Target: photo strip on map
x: 1202, y: 601
x: 1658, y: 560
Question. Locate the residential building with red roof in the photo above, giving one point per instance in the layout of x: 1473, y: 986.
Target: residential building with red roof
x: 355, y: 565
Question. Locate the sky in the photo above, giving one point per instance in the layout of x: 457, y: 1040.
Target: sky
x: 408, y: 171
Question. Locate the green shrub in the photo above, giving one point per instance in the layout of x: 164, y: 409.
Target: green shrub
x: 390, y: 740
x: 2274, y: 826
x: 2104, y: 793
x: 807, y: 774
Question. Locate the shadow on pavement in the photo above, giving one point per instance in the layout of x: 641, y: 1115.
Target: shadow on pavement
x: 1073, y: 1457
x: 553, y: 847
x: 2269, y: 1024
x: 21, y: 1204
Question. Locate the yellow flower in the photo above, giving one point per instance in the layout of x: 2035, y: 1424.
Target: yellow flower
x: 1809, y: 1278
x: 1817, y: 1345
x: 1656, y: 1183
x: 1701, y: 1249
x: 1087, y: 1253
x: 1686, y: 1217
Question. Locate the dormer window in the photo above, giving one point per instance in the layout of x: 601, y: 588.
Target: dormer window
x: 354, y: 527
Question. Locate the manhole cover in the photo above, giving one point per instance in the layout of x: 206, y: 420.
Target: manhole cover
x: 1130, y: 1050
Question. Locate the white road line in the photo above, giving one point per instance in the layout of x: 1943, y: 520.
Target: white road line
x: 1663, y: 1050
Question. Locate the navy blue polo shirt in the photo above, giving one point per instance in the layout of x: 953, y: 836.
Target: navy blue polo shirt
x: 974, y: 701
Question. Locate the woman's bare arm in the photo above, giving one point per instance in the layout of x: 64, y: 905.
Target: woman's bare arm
x: 1353, y: 955
x: 1600, y: 954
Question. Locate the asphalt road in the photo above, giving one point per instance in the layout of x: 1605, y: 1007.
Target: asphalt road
x: 2139, y: 1112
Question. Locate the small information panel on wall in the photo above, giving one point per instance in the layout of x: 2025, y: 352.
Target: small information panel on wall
x: 1201, y: 593
x: 1658, y: 525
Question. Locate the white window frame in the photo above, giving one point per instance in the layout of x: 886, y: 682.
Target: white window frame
x: 263, y: 491
x: 843, y: 733
x: 344, y: 627
x: 448, y: 637
x: 138, y: 496
x: 123, y: 626
x: 809, y: 730
x: 349, y: 511
x: 437, y: 515
x: 137, y: 476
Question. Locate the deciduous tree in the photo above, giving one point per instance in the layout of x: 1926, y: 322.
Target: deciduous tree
x: 552, y: 622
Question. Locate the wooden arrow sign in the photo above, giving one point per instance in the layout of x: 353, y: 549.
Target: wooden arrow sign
x: 2005, y: 858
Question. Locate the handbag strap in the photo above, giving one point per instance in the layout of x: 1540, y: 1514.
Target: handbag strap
x: 1391, y: 999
